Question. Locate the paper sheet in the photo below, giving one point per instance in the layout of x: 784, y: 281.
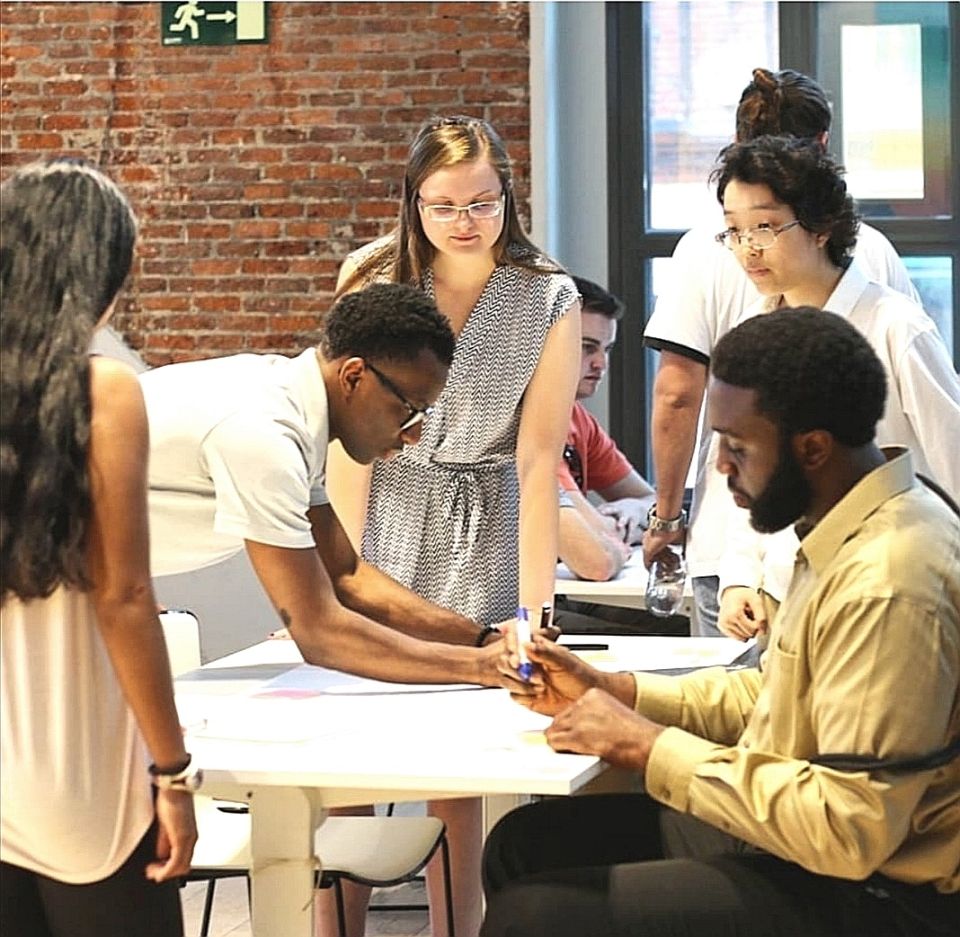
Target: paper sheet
x: 653, y: 653
x: 307, y: 680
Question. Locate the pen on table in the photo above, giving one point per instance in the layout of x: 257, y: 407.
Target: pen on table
x: 525, y: 669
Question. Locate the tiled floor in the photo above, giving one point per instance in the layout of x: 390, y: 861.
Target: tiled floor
x: 231, y: 915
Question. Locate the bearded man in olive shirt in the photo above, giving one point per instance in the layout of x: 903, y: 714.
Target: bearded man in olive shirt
x: 745, y: 828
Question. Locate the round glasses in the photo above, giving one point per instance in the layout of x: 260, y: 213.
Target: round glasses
x: 416, y: 414
x: 759, y: 237
x: 478, y: 211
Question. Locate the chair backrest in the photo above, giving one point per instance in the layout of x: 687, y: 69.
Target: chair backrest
x: 181, y: 629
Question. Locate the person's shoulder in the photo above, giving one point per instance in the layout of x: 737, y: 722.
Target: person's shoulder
x: 378, y: 250
x: 357, y: 255
x: 918, y: 536
x: 115, y: 394
x: 896, y: 313
x: 872, y: 240
x: 109, y: 377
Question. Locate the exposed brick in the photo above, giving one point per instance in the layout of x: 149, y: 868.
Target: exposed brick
x: 254, y: 169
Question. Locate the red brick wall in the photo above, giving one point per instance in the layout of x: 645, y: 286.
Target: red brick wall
x: 254, y: 169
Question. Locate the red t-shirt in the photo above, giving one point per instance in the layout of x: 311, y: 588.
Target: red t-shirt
x: 595, y: 458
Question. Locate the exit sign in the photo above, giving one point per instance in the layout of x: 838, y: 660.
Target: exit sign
x: 212, y: 23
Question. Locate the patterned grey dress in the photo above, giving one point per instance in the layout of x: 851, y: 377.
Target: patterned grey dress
x: 443, y: 516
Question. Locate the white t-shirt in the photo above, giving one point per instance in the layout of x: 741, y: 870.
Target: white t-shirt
x: 238, y: 450
x: 706, y: 295
x: 76, y: 798
x: 922, y: 413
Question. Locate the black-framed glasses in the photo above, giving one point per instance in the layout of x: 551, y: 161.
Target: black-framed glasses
x: 759, y: 237
x: 417, y: 414
x: 572, y: 458
x: 478, y: 211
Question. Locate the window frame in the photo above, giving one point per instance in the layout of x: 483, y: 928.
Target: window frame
x: 632, y: 247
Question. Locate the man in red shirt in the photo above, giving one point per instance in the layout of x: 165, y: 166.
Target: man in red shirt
x: 595, y: 541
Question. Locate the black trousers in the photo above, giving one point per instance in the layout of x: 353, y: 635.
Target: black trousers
x: 623, y: 866
x: 125, y: 904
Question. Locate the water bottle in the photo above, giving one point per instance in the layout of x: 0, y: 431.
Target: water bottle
x: 665, y: 581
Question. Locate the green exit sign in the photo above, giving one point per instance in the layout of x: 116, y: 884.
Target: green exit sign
x: 211, y: 23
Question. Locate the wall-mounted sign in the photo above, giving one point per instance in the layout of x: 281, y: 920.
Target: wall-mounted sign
x: 212, y: 23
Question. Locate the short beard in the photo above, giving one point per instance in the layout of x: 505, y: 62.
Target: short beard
x: 786, y: 497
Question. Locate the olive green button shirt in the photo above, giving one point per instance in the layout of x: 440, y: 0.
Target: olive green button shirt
x: 864, y: 659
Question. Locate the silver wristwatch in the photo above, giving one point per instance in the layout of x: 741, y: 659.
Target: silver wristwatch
x: 656, y: 524
x: 186, y: 778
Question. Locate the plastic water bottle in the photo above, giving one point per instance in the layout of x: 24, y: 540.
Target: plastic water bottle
x: 665, y: 581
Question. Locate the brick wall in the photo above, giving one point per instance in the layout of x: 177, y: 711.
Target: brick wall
x: 254, y: 169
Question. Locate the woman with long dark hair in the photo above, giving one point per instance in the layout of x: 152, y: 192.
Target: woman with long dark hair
x: 86, y: 700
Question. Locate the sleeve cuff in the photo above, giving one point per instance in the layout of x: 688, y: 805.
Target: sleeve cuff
x: 674, y: 759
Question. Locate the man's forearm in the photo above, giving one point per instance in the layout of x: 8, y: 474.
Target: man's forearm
x: 331, y: 635
x: 678, y: 395
x: 372, y: 593
x: 348, y: 641
x: 588, y: 550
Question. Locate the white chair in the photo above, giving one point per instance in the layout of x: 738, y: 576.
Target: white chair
x: 376, y: 851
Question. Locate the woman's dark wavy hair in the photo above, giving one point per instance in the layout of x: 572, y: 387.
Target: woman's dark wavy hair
x: 65, y: 249
x: 440, y: 143
x: 801, y: 175
x: 810, y: 369
x: 784, y: 103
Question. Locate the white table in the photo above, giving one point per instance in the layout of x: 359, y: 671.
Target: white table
x: 627, y: 589
x: 293, y: 746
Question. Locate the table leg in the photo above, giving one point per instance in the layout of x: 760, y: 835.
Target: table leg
x: 283, y: 821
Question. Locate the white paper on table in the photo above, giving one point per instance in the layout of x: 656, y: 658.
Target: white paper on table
x: 653, y: 652
x: 307, y: 680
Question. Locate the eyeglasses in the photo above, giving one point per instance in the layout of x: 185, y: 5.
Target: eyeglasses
x: 759, y: 237
x: 417, y: 414
x: 478, y: 211
x: 572, y: 458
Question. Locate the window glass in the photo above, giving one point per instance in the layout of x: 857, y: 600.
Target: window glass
x: 882, y: 110
x: 700, y: 58
x: 887, y: 69
x: 933, y: 278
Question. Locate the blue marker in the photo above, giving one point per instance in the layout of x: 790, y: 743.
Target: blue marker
x: 523, y: 636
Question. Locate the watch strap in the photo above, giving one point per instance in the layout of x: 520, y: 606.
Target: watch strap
x: 656, y: 523
x: 185, y: 777
x: 485, y: 633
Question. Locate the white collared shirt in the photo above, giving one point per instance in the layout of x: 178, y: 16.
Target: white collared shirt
x: 706, y: 296
x: 922, y: 413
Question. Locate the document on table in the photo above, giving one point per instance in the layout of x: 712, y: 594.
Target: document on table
x: 653, y: 652
x: 307, y: 680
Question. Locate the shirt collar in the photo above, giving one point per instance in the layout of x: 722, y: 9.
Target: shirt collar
x: 848, y: 291
x: 822, y: 543
x: 846, y: 294
x: 312, y: 392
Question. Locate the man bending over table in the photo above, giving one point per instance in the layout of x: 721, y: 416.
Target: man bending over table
x: 238, y: 451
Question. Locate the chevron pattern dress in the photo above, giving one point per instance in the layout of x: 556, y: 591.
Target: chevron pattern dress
x: 443, y: 516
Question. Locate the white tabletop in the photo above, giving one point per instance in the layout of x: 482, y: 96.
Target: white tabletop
x: 263, y: 717
x: 294, y: 740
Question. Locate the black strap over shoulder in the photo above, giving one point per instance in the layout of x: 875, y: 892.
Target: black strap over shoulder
x: 910, y: 764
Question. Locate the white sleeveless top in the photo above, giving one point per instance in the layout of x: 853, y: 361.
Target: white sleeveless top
x: 75, y: 796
